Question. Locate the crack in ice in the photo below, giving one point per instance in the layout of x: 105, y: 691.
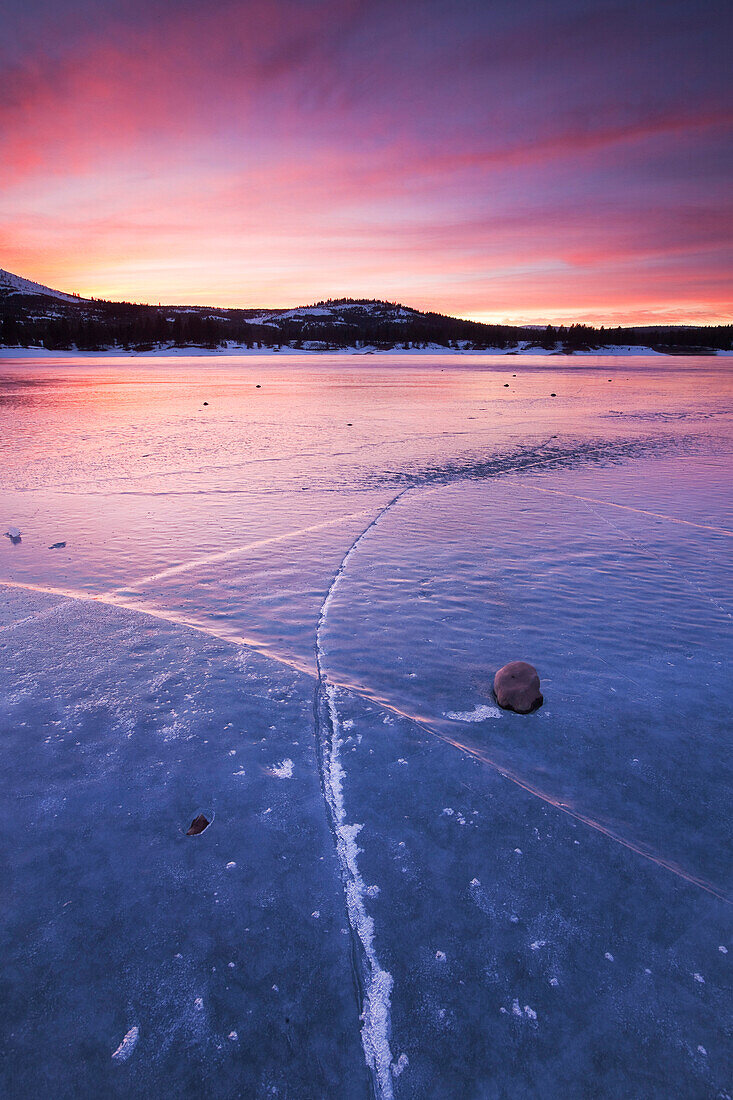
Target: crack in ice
x: 214, y: 631
x: 225, y: 555
x: 375, y: 982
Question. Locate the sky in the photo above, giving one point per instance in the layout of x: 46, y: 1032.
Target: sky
x: 505, y: 160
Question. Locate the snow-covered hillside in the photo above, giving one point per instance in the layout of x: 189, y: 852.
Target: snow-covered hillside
x: 36, y: 316
x: 338, y: 312
x: 13, y: 284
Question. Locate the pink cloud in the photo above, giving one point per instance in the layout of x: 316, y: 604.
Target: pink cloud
x: 283, y: 151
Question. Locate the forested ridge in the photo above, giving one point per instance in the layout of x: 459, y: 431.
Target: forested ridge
x: 56, y: 323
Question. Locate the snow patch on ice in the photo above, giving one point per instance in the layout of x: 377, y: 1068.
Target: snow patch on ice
x: 283, y: 770
x: 400, y: 1065
x: 478, y: 714
x: 126, y: 1047
x: 526, y: 1012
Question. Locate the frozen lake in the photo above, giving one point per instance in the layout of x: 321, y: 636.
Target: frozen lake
x: 284, y: 591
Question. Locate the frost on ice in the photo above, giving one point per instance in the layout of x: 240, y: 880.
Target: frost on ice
x: 126, y: 1047
x: 478, y: 714
x: 283, y: 770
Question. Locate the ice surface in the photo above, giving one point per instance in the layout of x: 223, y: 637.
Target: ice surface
x: 114, y: 738
x: 286, y: 614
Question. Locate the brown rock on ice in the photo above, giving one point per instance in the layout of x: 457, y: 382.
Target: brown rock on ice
x: 517, y: 687
x: 199, y: 824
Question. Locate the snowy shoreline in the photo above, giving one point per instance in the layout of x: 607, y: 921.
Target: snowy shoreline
x: 232, y: 349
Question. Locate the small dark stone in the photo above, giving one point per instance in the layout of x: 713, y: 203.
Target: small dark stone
x: 258, y: 386
x: 553, y: 395
x: 517, y: 687
x: 198, y: 825
x: 57, y: 546
x: 206, y: 402
x: 506, y: 385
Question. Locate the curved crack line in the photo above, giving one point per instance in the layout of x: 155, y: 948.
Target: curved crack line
x: 628, y: 508
x: 641, y: 546
x: 224, y: 555
x: 372, y: 697
x: 577, y: 815
x: 508, y: 773
x: 211, y: 630
x: 231, y: 638
x: 374, y: 983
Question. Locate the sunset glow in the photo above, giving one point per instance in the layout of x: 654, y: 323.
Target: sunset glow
x: 468, y: 158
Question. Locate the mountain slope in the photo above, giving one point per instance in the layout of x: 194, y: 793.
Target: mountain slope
x: 14, y: 286
x: 32, y: 315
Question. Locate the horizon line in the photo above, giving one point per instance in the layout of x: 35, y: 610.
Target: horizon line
x: 479, y: 317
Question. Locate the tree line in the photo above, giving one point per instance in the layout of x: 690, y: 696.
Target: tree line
x: 94, y: 326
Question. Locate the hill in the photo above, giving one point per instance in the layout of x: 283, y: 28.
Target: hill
x: 32, y: 315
